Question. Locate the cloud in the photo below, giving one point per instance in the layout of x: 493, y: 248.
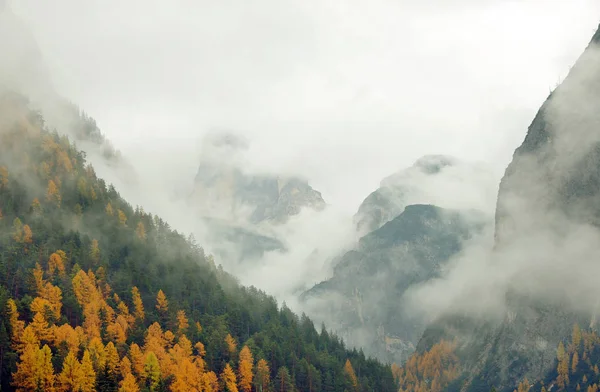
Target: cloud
x: 343, y: 92
x: 547, y: 228
x: 340, y: 92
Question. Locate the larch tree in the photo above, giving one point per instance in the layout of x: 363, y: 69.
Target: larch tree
x: 122, y: 218
x: 17, y: 326
x: 27, y: 235
x: 349, y: 370
x: 246, y: 365
x: 263, y: 376
x: 229, y: 379
x: 109, y: 210
x: 129, y: 384
x: 162, y: 304
x: 231, y: 345
x: 95, y: 252
x: 52, y: 194
x: 140, y: 231
x: 35, y: 371
x: 56, y: 263
x: 152, y: 371
x: 137, y: 304
x: 88, y: 375
x: 182, y: 322
x: 137, y: 360
x: 71, y: 375
x: 18, y: 230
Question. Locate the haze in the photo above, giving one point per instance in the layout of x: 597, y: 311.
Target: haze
x: 341, y: 92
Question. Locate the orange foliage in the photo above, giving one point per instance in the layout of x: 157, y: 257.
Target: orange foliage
x: 439, y: 366
x: 229, y: 379
x: 231, y: 344
x: 161, y: 302
x: 245, y: 369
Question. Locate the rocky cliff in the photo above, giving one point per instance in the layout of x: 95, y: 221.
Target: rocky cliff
x: 364, y: 300
x: 549, y: 198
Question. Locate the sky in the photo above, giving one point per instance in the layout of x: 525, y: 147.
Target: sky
x: 342, y: 92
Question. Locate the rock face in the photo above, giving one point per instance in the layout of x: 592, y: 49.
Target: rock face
x: 222, y: 188
x: 242, y: 210
x: 433, y: 179
x: 363, y: 301
x: 550, y: 190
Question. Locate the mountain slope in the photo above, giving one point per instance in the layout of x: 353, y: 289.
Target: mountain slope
x: 363, y: 300
x: 63, y: 227
x: 432, y: 179
x: 548, y: 210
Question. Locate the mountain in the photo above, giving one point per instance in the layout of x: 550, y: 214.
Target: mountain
x: 23, y: 69
x: 223, y: 187
x: 242, y: 210
x: 547, y: 230
x: 96, y: 294
x: 432, y: 179
x: 364, y: 300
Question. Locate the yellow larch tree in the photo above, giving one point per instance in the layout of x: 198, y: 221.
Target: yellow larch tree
x: 137, y: 304
x: 17, y: 326
x: 112, y: 360
x: 229, y: 379
x: 88, y: 375
x: 129, y: 384
x: 162, y: 304
x: 246, y: 365
x: 71, y: 375
x: 40, y: 327
x: 263, y: 376
x: 125, y: 367
x: 3, y: 177
x: 109, y: 210
x: 122, y: 217
x: 182, y: 322
x: 56, y: 263
x: 137, y: 360
x: 231, y: 344
x: 349, y: 370
x: 210, y: 382
x: 95, y: 252
x: 27, y: 235
x: 52, y: 194
x: 140, y: 231
x: 36, y: 207
x: 34, y: 370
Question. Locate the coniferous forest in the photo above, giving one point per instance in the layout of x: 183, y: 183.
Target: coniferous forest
x: 99, y: 295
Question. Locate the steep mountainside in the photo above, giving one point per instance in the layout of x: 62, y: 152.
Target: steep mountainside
x: 363, y: 300
x: 432, y: 179
x: 549, y: 198
x: 96, y: 294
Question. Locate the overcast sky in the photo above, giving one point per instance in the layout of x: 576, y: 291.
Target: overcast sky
x: 344, y: 92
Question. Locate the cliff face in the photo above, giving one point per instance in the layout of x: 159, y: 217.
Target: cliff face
x: 364, y: 301
x: 432, y: 179
x: 550, y: 190
x: 223, y: 189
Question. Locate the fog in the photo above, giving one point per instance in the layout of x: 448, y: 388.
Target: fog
x: 547, y: 236
x: 342, y: 93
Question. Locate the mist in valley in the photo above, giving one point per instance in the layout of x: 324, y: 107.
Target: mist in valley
x: 345, y: 96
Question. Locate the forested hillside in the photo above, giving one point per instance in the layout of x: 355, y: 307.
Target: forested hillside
x: 99, y: 295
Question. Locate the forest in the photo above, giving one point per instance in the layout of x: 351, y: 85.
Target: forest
x: 97, y: 294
